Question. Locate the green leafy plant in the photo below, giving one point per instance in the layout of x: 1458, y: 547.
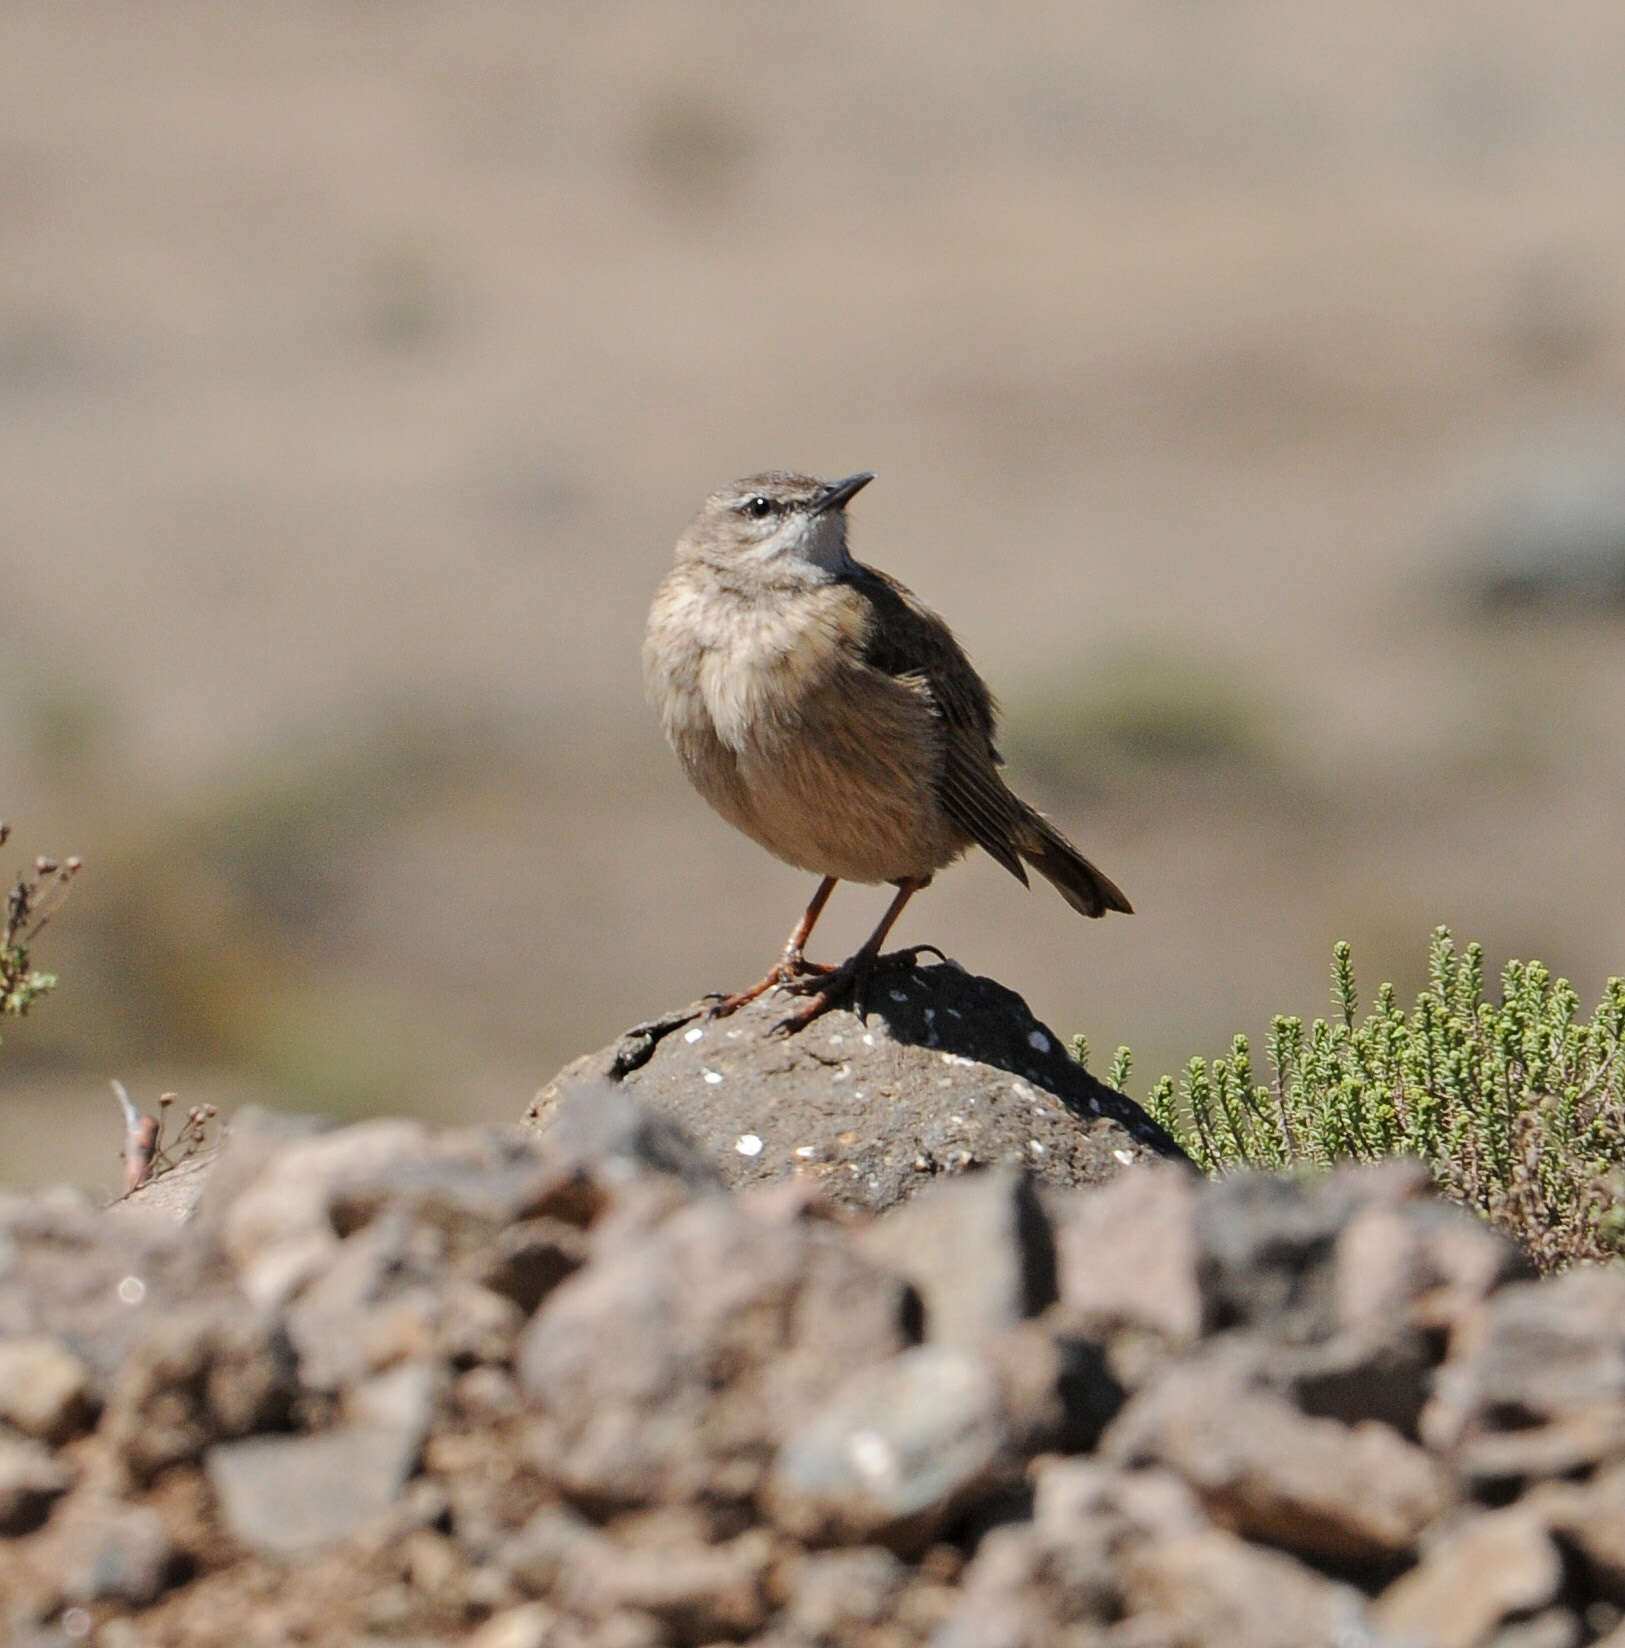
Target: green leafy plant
x: 1517, y: 1103
x: 29, y: 906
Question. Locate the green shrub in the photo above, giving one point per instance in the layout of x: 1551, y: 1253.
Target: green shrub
x: 1516, y: 1104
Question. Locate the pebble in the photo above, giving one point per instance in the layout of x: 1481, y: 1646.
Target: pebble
x: 44, y: 1388
x: 286, y: 1495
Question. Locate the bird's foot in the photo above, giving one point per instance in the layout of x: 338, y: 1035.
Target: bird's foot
x: 792, y: 971
x: 828, y: 988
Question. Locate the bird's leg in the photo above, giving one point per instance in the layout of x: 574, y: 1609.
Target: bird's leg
x: 853, y: 973
x: 792, y: 964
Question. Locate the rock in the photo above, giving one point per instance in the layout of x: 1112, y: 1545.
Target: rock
x: 979, y: 1250
x: 290, y: 1495
x: 1351, y: 1379
x: 1149, y: 1414
x: 672, y: 1365
x: 531, y: 1625
x: 1554, y: 1628
x: 602, y: 1129
x: 1418, y: 1263
x: 402, y: 1400
x: 44, y: 1388
x: 1351, y: 1494
x: 1476, y: 1575
x: 1540, y: 1391
x: 1021, y: 1594
x: 1268, y: 1245
x: 98, y: 1286
x: 376, y: 1302
x: 698, y: 1592
x: 1551, y: 531
x: 30, y: 1482
x: 833, y: 1594
x: 1588, y: 1521
x: 660, y: 1569
x: 527, y: 1260
x: 1059, y: 1392
x: 1127, y: 1255
x: 1058, y: 1578
x: 466, y: 1185
x: 104, y: 1551
x: 202, y: 1373
x: 1214, y: 1589
x: 897, y: 1449
x: 270, y: 1197
x: 946, y: 1072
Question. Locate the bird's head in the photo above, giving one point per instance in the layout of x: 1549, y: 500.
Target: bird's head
x: 778, y: 521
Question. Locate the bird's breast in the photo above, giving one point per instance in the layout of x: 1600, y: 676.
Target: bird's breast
x: 793, y: 738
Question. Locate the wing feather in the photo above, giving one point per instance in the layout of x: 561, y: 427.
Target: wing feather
x: 910, y: 642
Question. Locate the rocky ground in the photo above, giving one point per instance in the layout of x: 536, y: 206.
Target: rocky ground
x: 564, y: 1387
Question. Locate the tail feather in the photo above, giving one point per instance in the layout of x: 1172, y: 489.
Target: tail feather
x: 1074, y: 877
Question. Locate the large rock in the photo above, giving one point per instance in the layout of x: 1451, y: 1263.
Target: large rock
x: 674, y: 1366
x: 1476, y: 1575
x: 945, y: 1072
x: 389, y: 1384
x: 1350, y: 1494
x: 1540, y: 1390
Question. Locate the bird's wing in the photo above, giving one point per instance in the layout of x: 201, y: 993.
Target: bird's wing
x: 908, y: 641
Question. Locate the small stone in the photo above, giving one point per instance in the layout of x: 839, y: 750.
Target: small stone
x: 1214, y: 1589
x: 402, y: 1400
x: 1127, y: 1255
x: 267, y: 1189
x: 897, y: 1449
x: 531, y: 1625
x: 700, y: 1592
x: 486, y: 1393
x: 284, y: 1496
x: 110, y: 1552
x: 526, y: 1261
x: 979, y: 1249
x: 44, y: 1388
x: 833, y: 1593
x: 30, y: 1481
x: 1500, y: 1564
x: 199, y: 1374
x: 1553, y: 1628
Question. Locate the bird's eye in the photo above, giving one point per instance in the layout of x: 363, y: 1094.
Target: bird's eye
x: 758, y: 507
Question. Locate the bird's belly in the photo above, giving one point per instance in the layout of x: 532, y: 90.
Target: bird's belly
x: 847, y: 785
x: 828, y: 764
x: 847, y: 821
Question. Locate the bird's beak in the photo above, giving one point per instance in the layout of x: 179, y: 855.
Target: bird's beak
x: 837, y: 493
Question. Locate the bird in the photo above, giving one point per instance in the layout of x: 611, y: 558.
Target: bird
x: 830, y: 715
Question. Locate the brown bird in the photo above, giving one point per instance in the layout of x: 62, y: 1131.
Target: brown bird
x: 827, y: 712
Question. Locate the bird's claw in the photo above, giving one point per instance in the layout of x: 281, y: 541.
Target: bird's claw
x: 827, y: 988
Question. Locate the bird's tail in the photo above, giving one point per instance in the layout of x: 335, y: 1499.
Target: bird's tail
x: 1074, y: 877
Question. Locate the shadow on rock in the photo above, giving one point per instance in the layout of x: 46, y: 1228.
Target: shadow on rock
x: 945, y: 1071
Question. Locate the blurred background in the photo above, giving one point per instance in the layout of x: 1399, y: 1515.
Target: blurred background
x: 1245, y: 382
